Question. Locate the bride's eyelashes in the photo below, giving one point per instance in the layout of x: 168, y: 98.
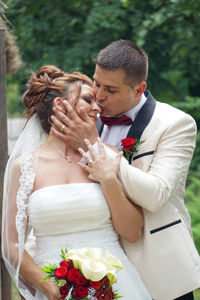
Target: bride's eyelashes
x: 87, y: 99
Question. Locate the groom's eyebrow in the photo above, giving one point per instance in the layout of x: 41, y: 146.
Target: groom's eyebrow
x: 108, y: 86
x: 112, y: 86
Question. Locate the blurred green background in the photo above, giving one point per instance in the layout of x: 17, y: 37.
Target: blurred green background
x: 69, y: 34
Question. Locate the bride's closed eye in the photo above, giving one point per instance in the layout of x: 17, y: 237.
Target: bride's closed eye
x: 87, y: 99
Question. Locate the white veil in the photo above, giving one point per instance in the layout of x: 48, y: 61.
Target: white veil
x: 18, y: 184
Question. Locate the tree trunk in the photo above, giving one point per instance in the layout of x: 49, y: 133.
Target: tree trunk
x: 5, y: 289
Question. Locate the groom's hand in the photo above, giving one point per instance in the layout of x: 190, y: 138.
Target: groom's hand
x: 73, y: 128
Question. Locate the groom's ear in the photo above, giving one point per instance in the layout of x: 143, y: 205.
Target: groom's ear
x: 58, y: 103
x: 140, y: 88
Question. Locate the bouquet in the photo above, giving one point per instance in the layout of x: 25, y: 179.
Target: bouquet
x: 85, y: 273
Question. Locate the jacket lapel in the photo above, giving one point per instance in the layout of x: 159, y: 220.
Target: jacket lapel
x: 143, y: 118
x: 140, y: 123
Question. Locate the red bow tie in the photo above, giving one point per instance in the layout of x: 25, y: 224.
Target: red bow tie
x: 122, y: 120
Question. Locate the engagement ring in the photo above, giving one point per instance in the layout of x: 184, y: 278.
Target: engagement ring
x: 89, y: 163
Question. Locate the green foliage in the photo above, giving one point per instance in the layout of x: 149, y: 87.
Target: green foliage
x: 168, y: 35
x: 60, y: 282
x: 192, y: 197
x: 195, y: 163
x: 116, y: 295
x: 69, y: 34
x: 192, y: 107
x: 63, y: 253
x: 197, y: 294
x: 49, y: 270
x: 15, y: 106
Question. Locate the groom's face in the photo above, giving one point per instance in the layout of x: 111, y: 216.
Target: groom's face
x: 113, y: 94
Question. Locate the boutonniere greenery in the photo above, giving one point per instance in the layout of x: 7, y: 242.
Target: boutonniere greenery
x: 129, y: 147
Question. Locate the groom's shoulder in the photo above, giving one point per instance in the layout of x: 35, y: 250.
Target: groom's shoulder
x: 170, y: 113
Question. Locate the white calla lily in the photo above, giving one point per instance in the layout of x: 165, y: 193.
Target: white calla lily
x: 93, y: 264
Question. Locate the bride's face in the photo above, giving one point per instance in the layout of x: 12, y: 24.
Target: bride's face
x: 87, y: 100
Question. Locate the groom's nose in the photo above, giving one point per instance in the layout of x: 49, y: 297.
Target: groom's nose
x: 100, y: 95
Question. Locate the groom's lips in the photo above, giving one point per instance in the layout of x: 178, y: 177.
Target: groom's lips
x: 102, y: 108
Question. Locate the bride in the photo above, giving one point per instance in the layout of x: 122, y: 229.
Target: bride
x: 47, y: 189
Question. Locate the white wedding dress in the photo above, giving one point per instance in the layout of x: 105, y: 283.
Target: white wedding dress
x: 76, y: 215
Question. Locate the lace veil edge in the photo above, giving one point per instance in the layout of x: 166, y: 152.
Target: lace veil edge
x: 29, y: 140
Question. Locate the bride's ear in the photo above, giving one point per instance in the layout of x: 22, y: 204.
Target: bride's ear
x: 58, y: 103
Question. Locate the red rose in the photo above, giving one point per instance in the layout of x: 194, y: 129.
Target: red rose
x: 80, y: 292
x: 64, y: 290
x: 68, y: 264
x: 62, y: 297
x: 109, y: 294
x: 95, y: 284
x: 73, y: 275
x: 99, y: 296
x: 81, y: 281
x: 61, y: 272
x: 128, y: 143
x: 105, y: 283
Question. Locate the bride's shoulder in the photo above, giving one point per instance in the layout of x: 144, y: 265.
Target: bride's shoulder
x: 16, y: 167
x: 26, y: 159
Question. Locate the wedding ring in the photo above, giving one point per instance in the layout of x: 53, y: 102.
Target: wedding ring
x: 89, y: 163
x: 62, y: 129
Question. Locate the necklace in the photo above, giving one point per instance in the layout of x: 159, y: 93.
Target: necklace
x: 67, y: 157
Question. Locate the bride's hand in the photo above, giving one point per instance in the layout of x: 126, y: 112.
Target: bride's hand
x: 100, y: 167
x: 53, y: 292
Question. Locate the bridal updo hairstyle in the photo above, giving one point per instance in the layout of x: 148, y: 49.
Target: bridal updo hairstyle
x: 45, y: 85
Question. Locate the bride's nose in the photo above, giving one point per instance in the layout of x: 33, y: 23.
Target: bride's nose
x: 96, y: 108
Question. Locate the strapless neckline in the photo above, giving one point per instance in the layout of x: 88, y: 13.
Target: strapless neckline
x: 54, y: 186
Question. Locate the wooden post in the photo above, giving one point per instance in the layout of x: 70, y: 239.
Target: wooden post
x: 5, y: 288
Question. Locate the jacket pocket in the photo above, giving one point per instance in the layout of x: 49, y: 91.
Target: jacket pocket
x: 143, y: 154
x: 165, y: 226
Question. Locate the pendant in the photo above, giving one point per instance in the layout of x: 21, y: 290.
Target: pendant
x: 68, y: 158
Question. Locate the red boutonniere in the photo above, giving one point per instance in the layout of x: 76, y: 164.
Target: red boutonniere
x: 129, y: 147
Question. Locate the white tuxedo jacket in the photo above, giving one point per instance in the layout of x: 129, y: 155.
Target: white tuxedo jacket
x: 165, y: 255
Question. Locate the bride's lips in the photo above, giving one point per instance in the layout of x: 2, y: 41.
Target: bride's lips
x: 93, y: 117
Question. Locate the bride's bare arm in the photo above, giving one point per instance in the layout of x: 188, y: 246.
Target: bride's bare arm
x: 127, y: 217
x: 33, y: 274
x: 28, y: 269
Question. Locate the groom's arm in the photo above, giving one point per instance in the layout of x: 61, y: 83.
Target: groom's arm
x: 168, y: 170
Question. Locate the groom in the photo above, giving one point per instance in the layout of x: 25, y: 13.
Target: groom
x: 155, y: 176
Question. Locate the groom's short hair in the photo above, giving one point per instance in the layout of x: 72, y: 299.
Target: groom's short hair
x: 127, y: 56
